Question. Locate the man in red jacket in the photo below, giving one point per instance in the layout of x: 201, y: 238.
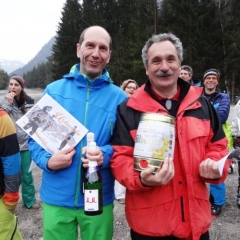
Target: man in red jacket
x: 173, y: 202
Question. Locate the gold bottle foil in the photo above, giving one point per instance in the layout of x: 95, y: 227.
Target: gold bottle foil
x: 155, y: 141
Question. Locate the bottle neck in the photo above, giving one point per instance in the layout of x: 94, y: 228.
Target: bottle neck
x: 92, y: 167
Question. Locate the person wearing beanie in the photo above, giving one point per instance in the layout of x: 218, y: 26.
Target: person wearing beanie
x: 16, y: 103
x: 186, y: 74
x: 20, y: 80
x: 221, y: 103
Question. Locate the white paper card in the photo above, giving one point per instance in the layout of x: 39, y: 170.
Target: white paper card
x: 221, y: 162
x: 51, y: 126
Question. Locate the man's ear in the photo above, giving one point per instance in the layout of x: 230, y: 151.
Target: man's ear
x: 110, y: 54
x: 146, y: 70
x: 78, y: 46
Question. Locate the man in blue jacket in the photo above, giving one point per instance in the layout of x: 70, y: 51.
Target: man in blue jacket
x: 221, y: 103
x: 88, y: 94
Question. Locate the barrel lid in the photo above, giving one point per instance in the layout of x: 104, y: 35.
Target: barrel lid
x: 158, y: 117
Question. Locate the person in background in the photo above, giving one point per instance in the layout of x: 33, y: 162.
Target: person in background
x: 172, y: 203
x: 186, y: 74
x: 89, y: 94
x: 10, y: 178
x: 16, y: 103
x: 235, y: 128
x: 221, y: 103
x: 129, y: 86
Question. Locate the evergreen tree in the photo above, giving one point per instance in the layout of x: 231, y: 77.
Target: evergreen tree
x: 208, y: 30
x: 134, y: 24
x: 197, y: 25
x: 228, y: 12
x: 39, y: 76
x: 3, y: 79
x: 64, y: 50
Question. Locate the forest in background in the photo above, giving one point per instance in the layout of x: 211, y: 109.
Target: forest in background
x: 208, y: 29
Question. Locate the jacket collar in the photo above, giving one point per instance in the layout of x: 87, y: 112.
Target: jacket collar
x: 83, y: 81
x: 144, y: 100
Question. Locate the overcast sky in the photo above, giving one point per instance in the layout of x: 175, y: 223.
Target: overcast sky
x: 26, y: 25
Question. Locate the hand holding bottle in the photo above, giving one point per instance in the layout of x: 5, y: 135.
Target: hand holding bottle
x: 92, y: 155
x: 93, y: 199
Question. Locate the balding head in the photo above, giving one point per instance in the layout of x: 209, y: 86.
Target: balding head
x: 95, y: 29
x: 94, y: 51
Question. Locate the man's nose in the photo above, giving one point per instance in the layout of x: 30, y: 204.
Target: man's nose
x: 164, y: 66
x: 95, y: 52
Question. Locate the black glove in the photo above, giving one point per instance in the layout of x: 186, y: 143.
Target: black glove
x: 236, y: 142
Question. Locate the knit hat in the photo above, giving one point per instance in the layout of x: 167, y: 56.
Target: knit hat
x: 211, y: 71
x: 20, y: 80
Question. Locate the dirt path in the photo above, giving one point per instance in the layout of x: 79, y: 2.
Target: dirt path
x: 225, y: 227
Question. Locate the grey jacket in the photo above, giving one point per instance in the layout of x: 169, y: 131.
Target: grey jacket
x: 15, y: 113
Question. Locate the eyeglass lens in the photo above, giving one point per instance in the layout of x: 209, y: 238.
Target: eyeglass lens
x: 133, y: 88
x: 211, y: 78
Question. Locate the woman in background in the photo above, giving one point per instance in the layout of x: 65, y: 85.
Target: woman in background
x: 129, y: 86
x: 16, y: 103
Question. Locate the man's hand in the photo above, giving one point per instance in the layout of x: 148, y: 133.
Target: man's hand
x: 61, y: 159
x: 209, y: 169
x: 160, y: 178
x: 92, y: 155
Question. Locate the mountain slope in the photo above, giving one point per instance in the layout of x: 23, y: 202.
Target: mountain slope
x: 10, y: 65
x: 41, y: 57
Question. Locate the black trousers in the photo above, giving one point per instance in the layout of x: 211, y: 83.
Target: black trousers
x: 137, y: 236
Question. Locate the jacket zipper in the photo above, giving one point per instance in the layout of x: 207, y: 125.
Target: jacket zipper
x: 111, y: 128
x: 81, y: 169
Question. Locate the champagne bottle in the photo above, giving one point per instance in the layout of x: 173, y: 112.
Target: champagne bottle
x: 93, y: 201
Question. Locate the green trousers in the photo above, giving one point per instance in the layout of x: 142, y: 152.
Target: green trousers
x: 8, y: 224
x: 27, y: 184
x: 62, y: 223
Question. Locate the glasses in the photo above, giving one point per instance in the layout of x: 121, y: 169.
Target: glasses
x: 133, y: 88
x: 211, y: 78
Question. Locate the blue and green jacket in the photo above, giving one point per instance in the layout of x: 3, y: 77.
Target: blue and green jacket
x: 93, y: 104
x: 221, y: 103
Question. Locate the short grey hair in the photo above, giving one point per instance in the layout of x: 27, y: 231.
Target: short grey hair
x: 160, y: 38
x: 188, y: 69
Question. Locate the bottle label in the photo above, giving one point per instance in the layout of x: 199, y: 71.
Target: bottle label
x: 91, y: 200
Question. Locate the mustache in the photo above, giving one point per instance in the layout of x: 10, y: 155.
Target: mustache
x: 164, y: 74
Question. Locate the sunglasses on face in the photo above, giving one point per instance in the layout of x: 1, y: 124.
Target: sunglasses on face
x: 211, y: 78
